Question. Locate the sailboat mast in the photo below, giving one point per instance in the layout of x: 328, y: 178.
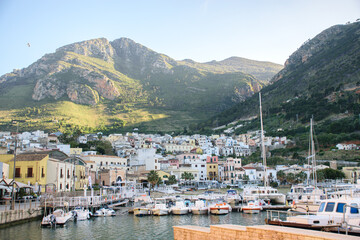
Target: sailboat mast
x: 313, y: 153
x: 262, y: 144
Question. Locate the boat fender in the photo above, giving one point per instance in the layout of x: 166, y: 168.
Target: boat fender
x: 307, y: 208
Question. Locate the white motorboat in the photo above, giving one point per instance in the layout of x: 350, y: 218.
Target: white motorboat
x: 160, y: 207
x: 336, y: 215
x: 200, y: 207
x: 232, y: 197
x: 180, y: 207
x: 220, y: 208
x: 81, y: 214
x: 264, y: 193
x: 58, y: 218
x: 104, y: 212
x: 252, y: 206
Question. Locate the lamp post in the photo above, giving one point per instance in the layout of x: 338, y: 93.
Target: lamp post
x: 13, y: 185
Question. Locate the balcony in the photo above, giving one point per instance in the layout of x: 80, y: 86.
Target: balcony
x: 29, y: 175
x: 18, y: 175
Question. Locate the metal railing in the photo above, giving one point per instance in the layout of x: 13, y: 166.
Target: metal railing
x: 282, y: 215
x: 344, y: 222
x: 20, y: 204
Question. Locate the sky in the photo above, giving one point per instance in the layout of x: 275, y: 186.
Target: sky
x: 201, y: 30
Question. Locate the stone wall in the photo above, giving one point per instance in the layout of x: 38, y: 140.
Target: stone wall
x: 266, y: 232
x: 12, y: 216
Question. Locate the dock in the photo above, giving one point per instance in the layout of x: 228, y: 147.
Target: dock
x: 264, y: 207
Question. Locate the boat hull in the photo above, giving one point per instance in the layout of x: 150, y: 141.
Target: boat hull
x: 219, y: 211
x: 139, y: 212
x: 180, y: 211
x: 160, y: 212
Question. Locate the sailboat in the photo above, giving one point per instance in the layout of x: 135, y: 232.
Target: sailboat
x: 266, y: 192
x: 307, y: 197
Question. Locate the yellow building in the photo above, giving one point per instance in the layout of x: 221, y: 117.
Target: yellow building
x: 75, y: 151
x: 352, y: 173
x: 29, y: 168
x: 212, y: 168
x: 164, y: 176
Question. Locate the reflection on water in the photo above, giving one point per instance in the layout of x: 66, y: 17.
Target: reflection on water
x: 126, y: 227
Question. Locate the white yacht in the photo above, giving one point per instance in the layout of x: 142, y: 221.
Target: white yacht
x: 58, y: 218
x: 336, y: 215
x: 200, y: 207
x: 160, y: 207
x: 232, y: 197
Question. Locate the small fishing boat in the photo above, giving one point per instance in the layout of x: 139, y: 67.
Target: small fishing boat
x: 81, y: 214
x: 220, y: 208
x: 200, y: 207
x: 180, y: 207
x: 160, y: 207
x: 104, y: 212
x: 58, y: 218
x: 252, y: 206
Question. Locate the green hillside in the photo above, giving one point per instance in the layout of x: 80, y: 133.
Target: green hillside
x: 97, y: 85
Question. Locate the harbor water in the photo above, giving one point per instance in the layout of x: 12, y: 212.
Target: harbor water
x: 126, y: 226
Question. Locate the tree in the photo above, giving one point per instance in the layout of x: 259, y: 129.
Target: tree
x: 172, y: 180
x: 290, y: 178
x: 153, y: 178
x: 281, y: 176
x: 187, y: 176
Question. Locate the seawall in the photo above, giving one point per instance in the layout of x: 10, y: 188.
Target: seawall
x: 266, y: 232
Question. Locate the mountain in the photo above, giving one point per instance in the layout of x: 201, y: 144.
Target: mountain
x: 320, y: 79
x: 101, y: 84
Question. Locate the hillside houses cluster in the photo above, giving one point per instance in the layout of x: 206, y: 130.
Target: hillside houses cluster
x: 43, y: 162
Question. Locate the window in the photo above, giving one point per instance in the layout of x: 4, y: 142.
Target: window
x: 195, y: 165
x: 202, y: 165
x: 30, y: 172
x: 17, y: 172
x: 42, y: 172
x: 321, y: 208
x: 330, y: 207
x: 155, y: 167
x: 68, y: 173
x: 60, y: 186
x: 61, y: 175
x: 340, y: 207
x: 354, y: 209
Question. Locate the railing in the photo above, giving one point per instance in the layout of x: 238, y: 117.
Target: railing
x: 281, y: 215
x: 344, y: 222
x: 29, y: 175
x: 20, y: 204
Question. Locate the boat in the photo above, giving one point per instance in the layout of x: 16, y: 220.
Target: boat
x: 160, y: 208
x: 104, y: 211
x: 232, y: 197
x: 335, y: 215
x: 200, y: 207
x: 81, y: 214
x: 252, y: 206
x: 58, y: 218
x: 142, y: 211
x: 220, y: 207
x: 180, y: 207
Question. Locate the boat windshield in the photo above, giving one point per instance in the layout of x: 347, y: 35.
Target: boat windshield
x: 330, y: 207
x: 340, y: 207
x: 354, y: 210
x: 322, y: 206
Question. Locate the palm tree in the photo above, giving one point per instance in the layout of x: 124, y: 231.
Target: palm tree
x: 153, y: 178
x: 172, y: 180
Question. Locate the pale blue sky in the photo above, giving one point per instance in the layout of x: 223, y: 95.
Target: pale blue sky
x: 202, y: 30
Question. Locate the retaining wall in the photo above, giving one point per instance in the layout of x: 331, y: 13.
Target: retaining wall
x: 266, y: 232
x: 13, y: 216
